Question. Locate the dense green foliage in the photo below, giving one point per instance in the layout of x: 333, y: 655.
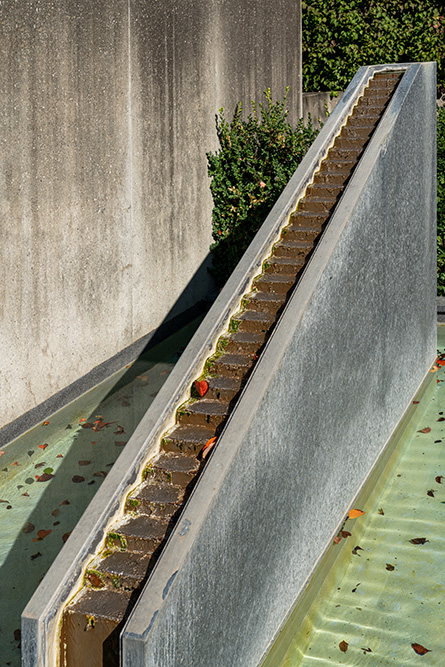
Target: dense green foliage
x: 341, y: 35
x: 441, y: 202
x: 256, y: 160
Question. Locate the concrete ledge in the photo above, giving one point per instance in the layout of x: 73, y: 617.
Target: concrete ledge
x: 351, y: 349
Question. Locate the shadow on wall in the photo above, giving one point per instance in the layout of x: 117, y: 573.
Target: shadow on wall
x: 49, y: 477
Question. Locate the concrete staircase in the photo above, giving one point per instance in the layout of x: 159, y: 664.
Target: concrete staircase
x: 94, y: 618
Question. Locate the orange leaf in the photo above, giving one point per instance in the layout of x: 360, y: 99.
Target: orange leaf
x: 353, y: 514
x: 208, y: 447
x: 425, y: 430
x: 420, y: 650
x: 15, y: 463
x: 343, y: 646
x: 440, y: 362
x: 43, y: 533
x: 59, y: 456
x: 82, y: 420
x: 45, y: 423
x: 434, y: 369
x: 43, y: 446
x: 202, y: 387
x: 337, y: 539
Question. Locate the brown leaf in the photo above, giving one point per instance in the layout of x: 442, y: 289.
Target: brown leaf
x: 343, y: 646
x: 420, y: 650
x: 55, y: 512
x: 366, y: 650
x: 380, y: 511
x: 66, y: 536
x: 28, y: 528
x: 95, y: 580
x: 77, y: 479
x: 353, y: 514
x: 430, y: 493
x: 439, y: 479
x: 120, y: 443
x: 119, y: 430
x: 84, y: 463
x: 17, y: 635
x: 45, y: 477
x: 87, y: 425
x: 337, y: 539
x: 425, y: 430
x: 441, y: 419
x: 43, y: 533
x: 100, y: 473
x: 354, y: 589
x: 390, y: 567
x: 65, y: 502
x: 419, y: 540
x: 34, y: 556
x: 345, y: 533
x: 356, y: 549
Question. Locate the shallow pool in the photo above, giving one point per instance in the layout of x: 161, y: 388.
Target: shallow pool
x: 49, y: 475
x: 385, y: 600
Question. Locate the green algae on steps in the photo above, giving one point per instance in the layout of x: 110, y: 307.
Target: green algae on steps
x: 37, y: 516
x: 388, y: 594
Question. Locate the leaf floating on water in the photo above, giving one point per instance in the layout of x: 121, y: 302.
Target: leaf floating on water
x: 345, y: 533
x: 390, y: 567
x: 439, y: 479
x: 356, y: 550
x: 43, y: 446
x: 353, y: 514
x: 208, y: 447
x: 4, y: 501
x: 120, y: 443
x: 440, y: 362
x: 87, y: 425
x: 34, y: 556
x: 419, y: 540
x: 93, y: 481
x: 380, y: 511
x: 66, y: 536
x: 45, y: 477
x: 55, y: 512
x: 77, y: 479
x: 43, y: 533
x: 343, y: 646
x: 119, y: 430
x: 28, y: 528
x: 56, y: 523
x: 441, y: 419
x: 430, y: 493
x: 39, y: 465
x: 100, y: 473
x: 48, y: 471
x: 65, y: 502
x: 26, y: 494
x: 354, y: 589
x: 425, y: 430
x: 202, y: 387
x: 84, y: 463
x: 416, y: 402
x: 45, y: 423
x: 420, y: 650
x: 337, y: 539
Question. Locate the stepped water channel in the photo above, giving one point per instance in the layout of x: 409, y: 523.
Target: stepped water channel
x: 114, y: 579
x: 49, y: 475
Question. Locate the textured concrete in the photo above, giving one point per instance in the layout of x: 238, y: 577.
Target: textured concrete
x: 318, y: 106
x: 354, y: 344
x: 107, y: 112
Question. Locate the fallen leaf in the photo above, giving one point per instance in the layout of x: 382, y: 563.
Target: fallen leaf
x: 94, y: 442
x: 45, y: 423
x: 55, y: 512
x: 125, y: 404
x: 48, y: 471
x: 93, y: 481
x: 67, y: 428
x: 43, y: 533
x: 366, y: 650
x: 202, y: 387
x: 441, y: 419
x: 66, y: 536
x: 82, y: 420
x: 28, y: 528
x: 343, y: 646
x: 84, y: 463
x: 25, y: 494
x: 65, y: 502
x: 440, y: 362
x: 43, y: 446
x: 34, y: 556
x: 439, y: 479
x: 59, y: 456
x: 39, y: 465
x: 56, y: 523
x: 389, y: 567
x: 337, y: 539
x: 425, y: 430
x: 77, y: 479
x: 434, y: 369
x: 208, y: 447
x: 380, y: 511
x: 353, y: 514
x: 416, y: 402
x: 95, y: 580
x: 356, y: 549
x: 419, y: 540
x: 44, y: 478
x: 430, y: 493
x: 4, y: 501
x: 15, y: 463
x: 345, y: 533
x: 354, y: 589
x: 87, y: 425
x: 420, y: 650
x: 100, y: 473
x: 120, y: 443
x: 119, y: 431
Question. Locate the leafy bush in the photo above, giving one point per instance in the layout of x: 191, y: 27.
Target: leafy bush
x: 441, y: 202
x: 256, y: 160
x: 341, y: 35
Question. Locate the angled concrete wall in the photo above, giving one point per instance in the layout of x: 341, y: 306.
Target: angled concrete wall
x: 108, y: 109
x: 354, y: 344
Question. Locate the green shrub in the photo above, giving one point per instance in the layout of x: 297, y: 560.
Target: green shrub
x: 341, y: 35
x: 441, y: 202
x: 256, y: 160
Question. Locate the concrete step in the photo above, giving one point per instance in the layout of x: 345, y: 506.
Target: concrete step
x: 290, y: 266
x: 235, y: 365
x: 290, y: 248
x: 309, y: 218
x: 224, y: 388
x: 189, y: 439
x: 340, y: 153
x: 203, y: 412
x: 247, y: 342
x: 317, y: 204
x: 159, y: 500
x: 270, y: 302
x: 121, y: 570
x: 277, y: 282
x: 328, y: 190
x: 141, y: 533
x: 174, y: 468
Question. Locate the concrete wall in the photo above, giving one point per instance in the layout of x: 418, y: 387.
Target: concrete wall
x: 107, y: 111
x: 318, y: 105
x: 353, y: 346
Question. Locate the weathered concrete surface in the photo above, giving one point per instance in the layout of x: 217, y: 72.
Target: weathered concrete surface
x: 353, y: 346
x: 318, y: 106
x: 107, y: 112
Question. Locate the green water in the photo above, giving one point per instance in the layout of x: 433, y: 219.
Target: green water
x: 390, y: 593
x: 75, y: 458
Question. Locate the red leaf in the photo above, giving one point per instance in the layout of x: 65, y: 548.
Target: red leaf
x: 425, y: 430
x: 440, y: 362
x: 43, y: 446
x: 65, y: 502
x: 45, y: 423
x: 15, y: 463
x: 343, y: 646
x: 59, y: 456
x: 416, y: 402
x: 208, y: 447
x: 420, y: 650
x: 439, y: 479
x: 345, y: 533
x: 44, y: 478
x: 202, y: 387
x: 95, y: 580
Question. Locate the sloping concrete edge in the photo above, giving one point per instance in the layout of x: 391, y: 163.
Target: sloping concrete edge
x: 41, y: 617
x: 159, y: 616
